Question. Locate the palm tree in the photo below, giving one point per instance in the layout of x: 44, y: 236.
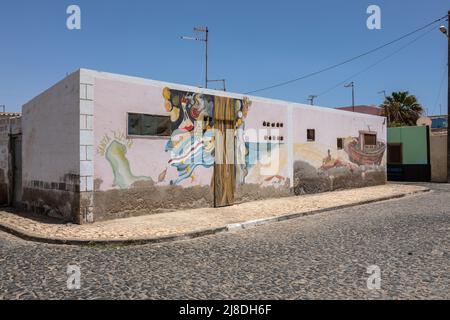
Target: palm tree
x: 401, y: 109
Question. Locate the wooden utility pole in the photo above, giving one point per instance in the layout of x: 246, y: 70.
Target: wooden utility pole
x: 352, y: 85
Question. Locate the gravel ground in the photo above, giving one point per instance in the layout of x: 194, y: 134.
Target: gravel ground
x: 315, y: 257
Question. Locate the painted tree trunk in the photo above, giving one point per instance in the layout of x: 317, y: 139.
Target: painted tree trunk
x: 224, y: 168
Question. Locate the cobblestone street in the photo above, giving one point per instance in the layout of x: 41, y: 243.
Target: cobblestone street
x: 314, y: 257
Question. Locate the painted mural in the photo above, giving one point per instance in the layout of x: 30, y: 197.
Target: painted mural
x: 114, y: 148
x: 319, y: 168
x: 361, y: 155
x: 192, y: 142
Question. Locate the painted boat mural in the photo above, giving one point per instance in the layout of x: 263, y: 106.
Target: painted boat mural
x: 362, y: 155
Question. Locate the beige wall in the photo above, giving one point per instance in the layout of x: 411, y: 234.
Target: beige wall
x: 50, y: 150
x: 438, y: 157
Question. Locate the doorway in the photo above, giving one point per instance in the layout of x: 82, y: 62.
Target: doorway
x: 16, y: 161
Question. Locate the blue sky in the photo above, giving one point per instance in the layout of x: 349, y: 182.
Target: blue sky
x: 253, y: 44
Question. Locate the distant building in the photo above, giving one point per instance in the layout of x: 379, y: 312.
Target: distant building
x: 408, y: 153
x: 9, y: 115
x: 374, y: 110
x: 439, y: 122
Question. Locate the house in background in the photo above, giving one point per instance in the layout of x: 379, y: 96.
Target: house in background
x: 4, y: 115
x: 408, y: 153
x: 100, y: 146
x: 439, y: 122
x: 366, y: 109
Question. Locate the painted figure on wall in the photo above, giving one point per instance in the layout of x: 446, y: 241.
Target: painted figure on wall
x: 192, y: 143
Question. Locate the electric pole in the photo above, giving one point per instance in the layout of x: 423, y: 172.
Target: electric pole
x: 352, y: 85
x: 383, y: 92
x: 311, y: 99
x: 448, y: 96
x: 446, y: 31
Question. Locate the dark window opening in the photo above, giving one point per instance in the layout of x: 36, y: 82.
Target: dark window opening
x: 394, y: 153
x: 340, y: 143
x: 370, y: 139
x: 140, y: 124
x: 311, y: 134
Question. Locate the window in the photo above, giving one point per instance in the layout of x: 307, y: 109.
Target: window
x: 140, y: 124
x: 340, y: 143
x: 370, y: 139
x: 311, y: 134
x: 394, y: 153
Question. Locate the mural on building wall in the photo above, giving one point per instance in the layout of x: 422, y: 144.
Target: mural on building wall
x: 192, y: 143
x: 363, y: 155
x: 114, y: 149
x: 262, y: 154
x: 320, y: 168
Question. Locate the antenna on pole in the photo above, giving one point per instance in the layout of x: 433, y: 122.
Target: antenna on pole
x: 311, y: 99
x: 224, y: 83
x: 205, y: 40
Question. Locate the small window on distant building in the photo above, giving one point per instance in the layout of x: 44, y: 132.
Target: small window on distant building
x: 311, y: 134
x: 370, y: 139
x: 140, y: 124
x: 394, y: 153
x: 340, y: 143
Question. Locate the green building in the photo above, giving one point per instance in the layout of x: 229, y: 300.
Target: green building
x: 408, y: 154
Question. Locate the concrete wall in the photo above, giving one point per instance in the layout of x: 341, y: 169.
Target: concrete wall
x: 141, y: 175
x: 50, y: 146
x: 8, y: 127
x: 414, y: 143
x: 438, y: 157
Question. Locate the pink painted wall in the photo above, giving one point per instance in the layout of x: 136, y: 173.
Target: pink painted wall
x: 117, y: 95
x: 146, y: 156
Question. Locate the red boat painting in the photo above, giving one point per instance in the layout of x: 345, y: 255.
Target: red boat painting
x: 366, y: 150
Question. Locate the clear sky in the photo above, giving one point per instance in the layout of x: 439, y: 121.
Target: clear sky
x: 253, y: 44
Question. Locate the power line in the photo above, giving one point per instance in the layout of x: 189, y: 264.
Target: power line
x: 375, y: 63
x: 346, y: 61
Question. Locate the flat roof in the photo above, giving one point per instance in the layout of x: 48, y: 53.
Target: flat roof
x: 144, y: 81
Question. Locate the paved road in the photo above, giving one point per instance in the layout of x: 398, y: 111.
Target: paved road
x: 320, y: 256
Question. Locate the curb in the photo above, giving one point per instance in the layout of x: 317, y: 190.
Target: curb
x: 195, y: 234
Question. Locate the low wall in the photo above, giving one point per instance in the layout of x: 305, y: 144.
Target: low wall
x: 438, y: 157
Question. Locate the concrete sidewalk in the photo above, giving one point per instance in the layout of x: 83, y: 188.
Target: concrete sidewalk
x: 186, y: 224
